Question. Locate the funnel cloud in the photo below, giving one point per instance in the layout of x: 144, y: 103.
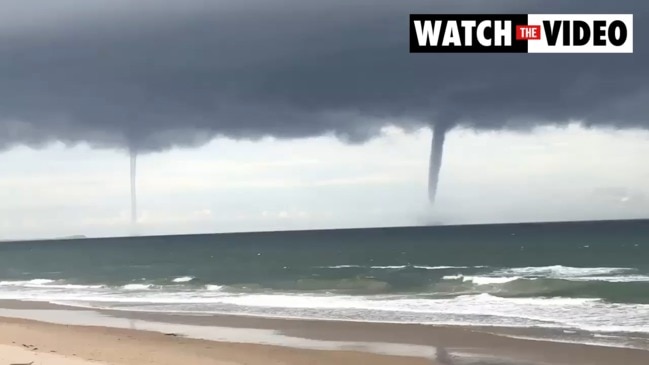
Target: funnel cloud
x: 133, y: 161
x: 436, y: 153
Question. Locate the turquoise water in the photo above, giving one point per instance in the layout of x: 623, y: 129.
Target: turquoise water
x: 588, y: 276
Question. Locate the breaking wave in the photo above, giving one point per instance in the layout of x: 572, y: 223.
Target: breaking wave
x: 587, y: 298
x: 183, y: 279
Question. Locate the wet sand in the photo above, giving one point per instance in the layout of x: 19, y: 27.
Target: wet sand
x: 132, y: 347
x: 280, y: 341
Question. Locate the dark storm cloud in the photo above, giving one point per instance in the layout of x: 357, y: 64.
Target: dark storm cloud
x: 150, y: 75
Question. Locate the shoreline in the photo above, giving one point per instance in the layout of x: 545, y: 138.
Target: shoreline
x: 409, y: 343
x: 279, y: 323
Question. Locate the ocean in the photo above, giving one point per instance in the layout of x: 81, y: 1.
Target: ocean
x: 579, y: 276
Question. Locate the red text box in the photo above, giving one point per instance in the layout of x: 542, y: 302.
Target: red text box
x: 528, y: 32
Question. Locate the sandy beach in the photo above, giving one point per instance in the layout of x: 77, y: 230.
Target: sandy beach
x: 25, y: 340
x: 17, y: 355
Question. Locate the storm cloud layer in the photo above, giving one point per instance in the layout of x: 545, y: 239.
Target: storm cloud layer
x: 149, y: 75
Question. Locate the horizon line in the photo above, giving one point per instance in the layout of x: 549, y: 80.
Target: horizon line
x: 81, y: 237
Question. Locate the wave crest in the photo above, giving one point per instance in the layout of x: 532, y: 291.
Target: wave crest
x: 183, y: 279
x: 137, y: 286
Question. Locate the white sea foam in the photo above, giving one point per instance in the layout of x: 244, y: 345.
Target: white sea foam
x: 589, y: 314
x: 443, y: 267
x: 32, y: 282
x: 614, y: 279
x: 340, y: 266
x: 424, y: 267
x: 46, y: 284
x: 481, y: 280
x: 483, y: 309
x: 72, y: 286
x: 137, y: 286
x: 609, y: 274
x: 488, y: 280
x: 559, y: 271
x: 453, y: 277
x: 41, y: 281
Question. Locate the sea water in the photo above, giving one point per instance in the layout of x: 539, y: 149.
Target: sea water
x: 581, y: 276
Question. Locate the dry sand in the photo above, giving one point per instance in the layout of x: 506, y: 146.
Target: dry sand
x: 19, y: 355
x: 52, y: 344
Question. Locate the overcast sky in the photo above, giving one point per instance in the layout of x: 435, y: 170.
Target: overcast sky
x: 550, y: 174
x: 193, y: 88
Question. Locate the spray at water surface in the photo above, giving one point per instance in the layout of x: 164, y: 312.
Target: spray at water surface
x: 133, y: 160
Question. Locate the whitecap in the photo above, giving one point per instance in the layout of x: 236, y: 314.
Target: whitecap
x: 560, y: 271
x: 33, y: 282
x: 489, y: 280
x: 137, y: 286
